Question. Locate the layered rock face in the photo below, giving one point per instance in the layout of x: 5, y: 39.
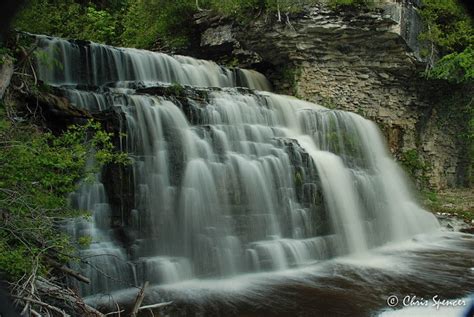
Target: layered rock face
x: 364, y: 62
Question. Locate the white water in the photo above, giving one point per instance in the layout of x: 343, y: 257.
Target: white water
x: 106, y: 258
x: 82, y: 63
x: 259, y: 182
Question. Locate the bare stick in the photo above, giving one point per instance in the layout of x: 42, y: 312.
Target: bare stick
x: 69, y: 271
x: 55, y: 291
x: 159, y: 305
x: 34, y: 301
x: 139, y: 300
x: 278, y: 11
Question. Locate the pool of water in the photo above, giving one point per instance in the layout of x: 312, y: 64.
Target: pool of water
x: 440, y: 264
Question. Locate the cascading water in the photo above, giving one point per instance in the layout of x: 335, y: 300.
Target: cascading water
x: 232, y: 182
x: 86, y: 63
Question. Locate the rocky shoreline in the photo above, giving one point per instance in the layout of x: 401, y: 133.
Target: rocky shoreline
x: 454, y: 209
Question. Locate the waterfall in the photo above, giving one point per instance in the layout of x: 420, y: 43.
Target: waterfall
x: 235, y: 181
x: 84, y: 63
x: 104, y: 262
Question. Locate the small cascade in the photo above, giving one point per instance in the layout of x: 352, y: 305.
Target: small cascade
x: 232, y: 182
x: 104, y: 262
x: 90, y: 64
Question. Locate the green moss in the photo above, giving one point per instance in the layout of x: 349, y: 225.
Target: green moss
x: 176, y: 90
x: 458, y: 202
x: 290, y: 75
x: 454, y: 111
x: 415, y: 166
x: 298, y: 179
x: 233, y: 63
x: 5, y: 53
x: 328, y: 102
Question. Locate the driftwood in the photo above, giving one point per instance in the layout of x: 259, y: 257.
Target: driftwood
x: 159, y: 305
x: 139, y: 300
x: 63, y: 295
x: 38, y: 302
x: 6, y: 72
x: 37, y: 296
x: 69, y: 271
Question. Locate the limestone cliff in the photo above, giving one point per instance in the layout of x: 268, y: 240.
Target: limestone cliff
x: 367, y: 62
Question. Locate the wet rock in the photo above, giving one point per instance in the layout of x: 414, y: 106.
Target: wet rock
x: 468, y: 230
x: 219, y: 36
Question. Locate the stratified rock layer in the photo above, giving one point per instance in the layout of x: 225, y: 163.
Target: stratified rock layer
x: 365, y: 62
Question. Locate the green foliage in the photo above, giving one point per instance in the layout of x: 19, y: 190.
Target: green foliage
x: 458, y: 202
x: 431, y: 196
x: 140, y: 23
x: 234, y: 7
x: 46, y: 60
x: 328, y: 102
x: 146, y: 20
x: 449, y: 25
x: 176, y: 90
x: 241, y: 8
x: 4, y: 54
x: 85, y: 241
x: 16, y: 261
x: 455, y: 67
x: 233, y: 63
x: 451, y: 29
x: 69, y: 19
x: 291, y: 76
x: 288, y: 6
x: 38, y: 171
x: 350, y: 4
x: 100, y: 26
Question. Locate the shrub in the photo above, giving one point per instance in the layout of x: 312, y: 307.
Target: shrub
x: 38, y: 172
x: 455, y: 67
x: 451, y: 30
x: 68, y: 19
x: 146, y: 20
